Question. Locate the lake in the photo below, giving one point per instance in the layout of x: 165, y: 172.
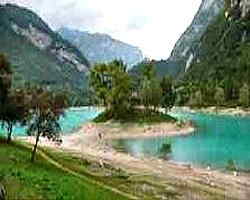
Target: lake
x: 216, y: 140
x: 72, y: 120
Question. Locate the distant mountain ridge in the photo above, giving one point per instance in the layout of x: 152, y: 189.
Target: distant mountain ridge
x: 38, y: 54
x: 99, y: 48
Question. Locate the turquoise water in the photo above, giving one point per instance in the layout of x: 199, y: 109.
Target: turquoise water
x: 72, y: 120
x: 216, y: 140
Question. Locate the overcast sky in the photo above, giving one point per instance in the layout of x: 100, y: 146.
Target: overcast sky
x: 152, y: 25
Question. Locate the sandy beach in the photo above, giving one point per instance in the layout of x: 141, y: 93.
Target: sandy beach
x: 92, y: 142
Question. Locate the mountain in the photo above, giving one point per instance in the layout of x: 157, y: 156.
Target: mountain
x: 185, y: 49
x: 38, y: 54
x: 99, y: 48
x: 222, y: 59
x: 163, y: 67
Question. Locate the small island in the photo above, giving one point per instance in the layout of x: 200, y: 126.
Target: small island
x: 136, y: 105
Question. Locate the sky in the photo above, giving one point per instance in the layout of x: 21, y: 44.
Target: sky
x: 152, y: 25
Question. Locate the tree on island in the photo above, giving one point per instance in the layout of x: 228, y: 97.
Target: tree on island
x: 150, y: 88
x: 244, y: 95
x: 112, y: 87
x: 219, y: 96
x: 151, y: 95
x: 168, y: 93
x: 127, y: 97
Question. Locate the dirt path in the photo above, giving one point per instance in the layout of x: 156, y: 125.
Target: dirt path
x: 82, y: 177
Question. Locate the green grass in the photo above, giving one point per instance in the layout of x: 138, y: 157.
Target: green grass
x: 114, y: 177
x: 45, y: 181
x: 135, y: 116
x: 42, y: 180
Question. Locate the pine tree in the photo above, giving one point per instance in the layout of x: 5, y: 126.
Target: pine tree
x: 244, y: 95
x: 219, y: 96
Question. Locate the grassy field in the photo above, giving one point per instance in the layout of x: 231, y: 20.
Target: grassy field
x: 41, y: 180
x: 58, y: 175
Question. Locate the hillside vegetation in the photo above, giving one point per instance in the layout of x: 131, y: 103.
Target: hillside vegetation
x: 38, y: 55
x: 220, y: 72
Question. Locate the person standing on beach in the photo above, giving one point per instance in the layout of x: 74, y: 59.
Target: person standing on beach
x: 100, y: 135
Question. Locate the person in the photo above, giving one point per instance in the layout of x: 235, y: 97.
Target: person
x: 100, y: 135
x: 235, y: 173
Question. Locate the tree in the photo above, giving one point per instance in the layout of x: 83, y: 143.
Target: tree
x: 148, y: 71
x: 168, y: 94
x: 120, y: 92
x: 244, y: 95
x: 5, y: 78
x: 219, y: 96
x: 151, y: 95
x: 46, y: 108
x: 112, y: 87
x: 150, y: 88
x: 99, y: 82
x: 15, y: 110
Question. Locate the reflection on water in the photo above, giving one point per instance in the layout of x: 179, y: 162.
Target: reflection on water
x: 216, y: 140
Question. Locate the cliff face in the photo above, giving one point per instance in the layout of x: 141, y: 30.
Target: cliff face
x: 237, y: 8
x: 99, y: 48
x: 38, y: 54
x: 222, y: 58
x: 185, y: 49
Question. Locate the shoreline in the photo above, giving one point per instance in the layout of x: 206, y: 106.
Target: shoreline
x: 133, y: 131
x: 238, y: 111
x: 87, y: 143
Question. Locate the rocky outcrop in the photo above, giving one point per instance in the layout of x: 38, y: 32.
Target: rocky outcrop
x: 99, y: 48
x: 38, y: 38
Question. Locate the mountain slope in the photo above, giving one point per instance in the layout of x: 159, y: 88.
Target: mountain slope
x: 37, y: 53
x: 222, y: 58
x: 185, y: 48
x: 99, y: 48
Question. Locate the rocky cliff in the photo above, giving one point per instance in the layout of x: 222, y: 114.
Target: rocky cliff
x: 185, y: 48
x: 38, y: 54
x: 100, y: 48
